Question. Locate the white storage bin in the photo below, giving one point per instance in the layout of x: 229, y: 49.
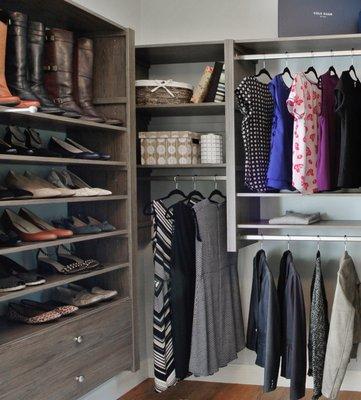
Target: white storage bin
x: 211, y: 149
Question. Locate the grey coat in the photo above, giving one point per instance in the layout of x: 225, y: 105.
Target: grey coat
x: 263, y: 333
x: 345, y: 327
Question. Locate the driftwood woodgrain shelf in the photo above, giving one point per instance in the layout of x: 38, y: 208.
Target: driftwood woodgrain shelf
x: 45, y: 362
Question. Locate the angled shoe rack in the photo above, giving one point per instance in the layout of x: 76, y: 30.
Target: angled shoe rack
x: 52, y: 355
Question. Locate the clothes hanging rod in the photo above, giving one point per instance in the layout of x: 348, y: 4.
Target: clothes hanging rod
x: 309, y: 54
x: 180, y: 178
x: 292, y: 238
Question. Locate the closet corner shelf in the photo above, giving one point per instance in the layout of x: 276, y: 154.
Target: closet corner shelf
x: 12, y: 332
x: 326, y: 224
x: 182, y: 166
x: 57, y: 123
x: 59, y: 200
x: 179, y: 110
x: 75, y: 239
x: 16, y: 159
x: 53, y: 281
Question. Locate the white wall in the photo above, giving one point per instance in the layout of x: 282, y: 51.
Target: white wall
x: 167, y: 21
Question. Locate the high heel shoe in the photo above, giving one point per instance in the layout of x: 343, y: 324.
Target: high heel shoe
x: 64, y: 192
x: 68, y: 150
x: 16, y: 139
x: 105, y: 226
x: 43, y: 225
x: 25, y: 229
x: 67, y: 256
x: 78, y: 183
x: 38, y: 191
x: 34, y: 142
x: 77, y: 226
x: 9, y: 239
x: 102, y: 156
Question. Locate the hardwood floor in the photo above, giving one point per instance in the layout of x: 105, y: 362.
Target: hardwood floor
x: 216, y: 391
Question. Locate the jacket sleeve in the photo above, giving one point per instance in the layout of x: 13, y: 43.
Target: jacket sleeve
x: 273, y: 341
x: 339, y: 344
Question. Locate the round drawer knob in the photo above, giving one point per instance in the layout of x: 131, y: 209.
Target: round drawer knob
x: 80, y: 378
x: 78, y: 339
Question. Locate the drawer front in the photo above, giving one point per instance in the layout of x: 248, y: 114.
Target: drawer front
x: 52, y: 352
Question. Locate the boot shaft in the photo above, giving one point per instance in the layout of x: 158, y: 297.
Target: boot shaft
x: 83, y: 71
x: 36, y: 42
x: 58, y: 63
x: 16, y: 52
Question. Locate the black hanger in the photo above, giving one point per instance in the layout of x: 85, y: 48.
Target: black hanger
x: 352, y: 69
x: 148, y: 207
x: 263, y: 71
x: 312, y: 69
x: 287, y: 71
x: 194, y: 192
x: 332, y: 69
x: 216, y: 192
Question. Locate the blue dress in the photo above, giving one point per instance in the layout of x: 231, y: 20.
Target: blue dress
x: 279, y: 174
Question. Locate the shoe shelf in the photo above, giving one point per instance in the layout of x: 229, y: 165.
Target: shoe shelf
x: 55, y: 123
x: 55, y: 280
x: 172, y: 110
x: 14, y: 332
x: 15, y: 159
x: 60, y: 200
x: 74, y: 239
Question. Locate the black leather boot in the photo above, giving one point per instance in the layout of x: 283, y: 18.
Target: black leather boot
x: 16, y: 58
x: 36, y: 41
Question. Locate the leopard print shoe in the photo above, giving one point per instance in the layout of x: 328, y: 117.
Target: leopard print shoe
x: 29, y: 314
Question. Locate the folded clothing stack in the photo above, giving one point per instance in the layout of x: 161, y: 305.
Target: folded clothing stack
x: 294, y: 218
x: 211, y: 149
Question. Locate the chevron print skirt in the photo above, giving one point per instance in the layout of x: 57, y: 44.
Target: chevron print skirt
x: 164, y: 369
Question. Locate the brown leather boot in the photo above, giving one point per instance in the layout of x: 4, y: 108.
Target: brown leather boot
x: 58, y: 67
x: 6, y: 99
x: 83, y: 81
x: 83, y: 78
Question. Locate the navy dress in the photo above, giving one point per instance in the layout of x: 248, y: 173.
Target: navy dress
x: 279, y: 174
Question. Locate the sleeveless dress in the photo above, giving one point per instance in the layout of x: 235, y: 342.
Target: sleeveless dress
x: 164, y: 369
x: 218, y: 333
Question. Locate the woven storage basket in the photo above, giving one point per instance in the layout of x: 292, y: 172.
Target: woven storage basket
x: 163, y: 92
x: 169, y: 148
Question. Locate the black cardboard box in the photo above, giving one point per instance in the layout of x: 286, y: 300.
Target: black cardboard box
x: 317, y: 17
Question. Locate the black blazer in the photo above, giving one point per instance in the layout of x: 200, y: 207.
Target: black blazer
x: 263, y: 334
x: 293, y: 326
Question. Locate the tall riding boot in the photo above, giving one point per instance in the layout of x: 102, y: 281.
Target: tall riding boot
x: 83, y: 78
x: 16, y: 60
x: 58, y: 65
x: 36, y: 41
x: 83, y: 81
x: 6, y: 99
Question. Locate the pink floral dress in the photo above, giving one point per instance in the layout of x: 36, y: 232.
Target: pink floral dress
x: 304, y: 103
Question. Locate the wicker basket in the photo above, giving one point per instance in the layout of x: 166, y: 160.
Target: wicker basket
x: 163, y: 92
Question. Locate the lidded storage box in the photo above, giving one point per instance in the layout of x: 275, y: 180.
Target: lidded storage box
x: 169, y: 147
x: 211, y: 149
x: 162, y: 92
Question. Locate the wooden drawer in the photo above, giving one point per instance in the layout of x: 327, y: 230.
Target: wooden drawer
x: 45, y: 365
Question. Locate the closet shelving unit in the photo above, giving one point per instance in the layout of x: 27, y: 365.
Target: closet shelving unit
x: 70, y: 357
x: 149, y: 56
x: 244, y: 209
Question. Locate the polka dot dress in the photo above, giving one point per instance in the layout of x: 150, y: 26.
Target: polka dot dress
x: 256, y: 104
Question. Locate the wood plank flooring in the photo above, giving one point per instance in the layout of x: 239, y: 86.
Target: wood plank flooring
x: 216, y: 391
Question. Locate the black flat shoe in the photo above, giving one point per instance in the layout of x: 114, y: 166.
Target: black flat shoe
x: 9, y: 239
x: 15, y: 138
x: 31, y: 278
x: 102, y: 156
x: 34, y: 142
x: 68, y: 150
x: 6, y: 148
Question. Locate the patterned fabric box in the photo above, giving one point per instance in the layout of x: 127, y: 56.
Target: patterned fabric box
x: 169, y: 148
x: 211, y: 149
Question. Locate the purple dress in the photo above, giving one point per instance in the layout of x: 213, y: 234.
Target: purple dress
x: 329, y: 136
x: 279, y: 174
